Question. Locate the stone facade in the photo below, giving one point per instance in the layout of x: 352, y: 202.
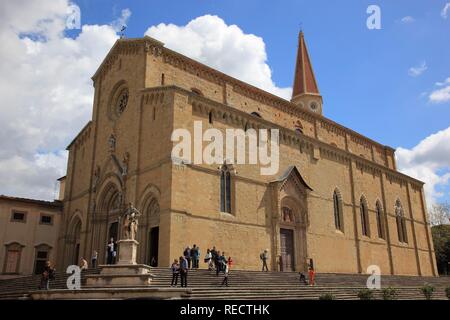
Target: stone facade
x: 144, y: 91
x: 28, y: 235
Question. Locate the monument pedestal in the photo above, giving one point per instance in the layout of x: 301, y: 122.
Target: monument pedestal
x: 126, y: 273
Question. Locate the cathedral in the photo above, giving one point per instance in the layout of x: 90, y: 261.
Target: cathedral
x: 337, y: 198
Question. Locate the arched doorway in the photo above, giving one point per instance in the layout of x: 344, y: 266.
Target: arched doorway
x: 152, y: 218
x: 107, y: 226
x: 74, y: 241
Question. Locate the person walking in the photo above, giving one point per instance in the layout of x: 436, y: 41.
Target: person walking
x: 218, y: 263
x: 187, y: 256
x: 264, y: 256
x: 208, y: 259
x: 175, y: 272
x: 229, y: 262
x: 223, y: 262
x: 94, y: 259
x: 183, y: 271
x: 47, y: 275
x: 225, y: 277
x: 312, y: 275
x: 83, y: 264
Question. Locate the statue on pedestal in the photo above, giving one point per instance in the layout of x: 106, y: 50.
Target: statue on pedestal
x: 130, y: 222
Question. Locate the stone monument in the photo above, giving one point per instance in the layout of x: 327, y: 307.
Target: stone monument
x: 127, y: 272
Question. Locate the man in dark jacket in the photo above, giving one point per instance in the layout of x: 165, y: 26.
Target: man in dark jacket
x: 47, y: 275
x: 183, y: 271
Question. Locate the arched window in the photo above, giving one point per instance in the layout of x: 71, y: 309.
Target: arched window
x: 225, y: 189
x: 256, y: 114
x: 401, y: 222
x: 338, y: 214
x: 380, y: 225
x: 364, y: 217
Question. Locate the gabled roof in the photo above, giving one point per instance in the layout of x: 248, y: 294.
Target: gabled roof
x: 304, y: 79
x: 292, y: 170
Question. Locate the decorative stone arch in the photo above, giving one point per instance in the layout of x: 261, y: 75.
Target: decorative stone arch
x: 290, y: 222
x: 73, y: 238
x: 109, y: 206
x: 297, y: 214
x: 13, y: 257
x: 148, y: 235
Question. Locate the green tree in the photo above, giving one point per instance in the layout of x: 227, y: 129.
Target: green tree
x: 439, y: 218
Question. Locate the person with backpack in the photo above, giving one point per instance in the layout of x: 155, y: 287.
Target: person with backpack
x: 47, y: 275
x: 184, y: 267
x: 264, y: 256
x: 175, y: 272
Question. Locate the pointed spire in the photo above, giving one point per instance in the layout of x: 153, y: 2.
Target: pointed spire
x: 304, y: 79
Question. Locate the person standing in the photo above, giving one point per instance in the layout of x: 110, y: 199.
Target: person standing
x: 208, y: 259
x: 183, y: 271
x: 197, y: 254
x: 193, y: 256
x: 47, y: 275
x: 175, y: 272
x: 110, y: 250
x: 94, y: 259
x: 264, y: 256
x: 187, y: 256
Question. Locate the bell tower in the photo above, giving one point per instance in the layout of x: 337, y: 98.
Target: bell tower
x: 305, y: 92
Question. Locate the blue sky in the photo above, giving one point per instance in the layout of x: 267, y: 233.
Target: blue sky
x: 376, y: 82
x: 362, y: 73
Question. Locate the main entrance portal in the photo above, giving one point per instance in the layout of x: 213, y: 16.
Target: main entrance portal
x: 287, y: 250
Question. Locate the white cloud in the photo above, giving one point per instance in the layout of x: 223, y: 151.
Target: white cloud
x: 444, y: 12
x: 417, y: 71
x: 440, y: 84
x: 407, y: 19
x: 122, y: 20
x: 46, y: 91
x: 428, y: 161
x: 227, y: 48
x: 441, y: 95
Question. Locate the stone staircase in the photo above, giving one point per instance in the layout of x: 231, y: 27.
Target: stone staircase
x: 254, y: 285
